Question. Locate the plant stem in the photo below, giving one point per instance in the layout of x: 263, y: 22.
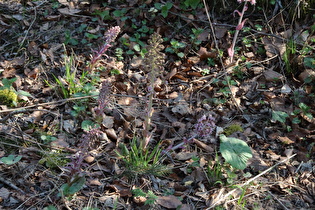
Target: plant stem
x: 237, y: 31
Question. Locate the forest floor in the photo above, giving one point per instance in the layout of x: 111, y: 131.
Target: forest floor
x: 264, y: 97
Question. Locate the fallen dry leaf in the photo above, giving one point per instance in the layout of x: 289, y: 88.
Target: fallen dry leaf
x: 169, y: 202
x: 285, y: 140
x: 272, y: 76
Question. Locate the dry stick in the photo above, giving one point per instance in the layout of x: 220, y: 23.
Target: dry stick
x: 29, y: 28
x: 60, y: 101
x: 221, y: 61
x: 278, y: 200
x: 249, y: 181
x: 4, y: 119
x: 47, y: 103
x: 10, y: 184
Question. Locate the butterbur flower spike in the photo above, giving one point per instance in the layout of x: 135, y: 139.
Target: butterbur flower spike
x: 111, y: 34
x: 250, y: 1
x: 205, y: 126
x: 109, y: 37
x: 104, y: 96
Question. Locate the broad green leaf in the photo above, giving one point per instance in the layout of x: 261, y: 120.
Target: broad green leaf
x: 11, y: 159
x: 74, y: 187
x: 235, y: 151
x: 279, y: 116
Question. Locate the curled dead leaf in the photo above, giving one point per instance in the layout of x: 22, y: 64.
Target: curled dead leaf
x: 205, y: 54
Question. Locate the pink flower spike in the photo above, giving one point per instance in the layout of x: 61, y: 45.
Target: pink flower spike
x: 240, y: 26
x: 252, y: 2
x: 231, y: 52
x: 238, y: 12
x: 111, y: 34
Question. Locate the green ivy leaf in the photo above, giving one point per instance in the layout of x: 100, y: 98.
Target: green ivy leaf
x: 11, y: 159
x: 279, y: 116
x: 235, y: 151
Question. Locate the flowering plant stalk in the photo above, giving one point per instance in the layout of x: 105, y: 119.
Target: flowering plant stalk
x: 240, y: 25
x: 109, y: 36
x: 154, y: 60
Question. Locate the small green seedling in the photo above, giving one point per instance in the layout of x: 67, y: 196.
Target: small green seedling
x: 139, y: 162
x: 175, y: 47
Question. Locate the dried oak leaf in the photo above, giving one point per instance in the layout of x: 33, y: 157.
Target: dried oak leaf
x: 169, y: 202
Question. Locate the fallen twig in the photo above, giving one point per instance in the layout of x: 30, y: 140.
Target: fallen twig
x: 10, y: 184
x: 248, y: 182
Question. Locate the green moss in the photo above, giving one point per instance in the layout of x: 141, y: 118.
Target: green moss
x: 232, y: 129
x: 8, y: 97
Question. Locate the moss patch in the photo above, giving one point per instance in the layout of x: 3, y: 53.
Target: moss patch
x: 8, y: 97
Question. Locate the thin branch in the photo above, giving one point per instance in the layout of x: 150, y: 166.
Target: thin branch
x: 248, y: 182
x: 4, y: 119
